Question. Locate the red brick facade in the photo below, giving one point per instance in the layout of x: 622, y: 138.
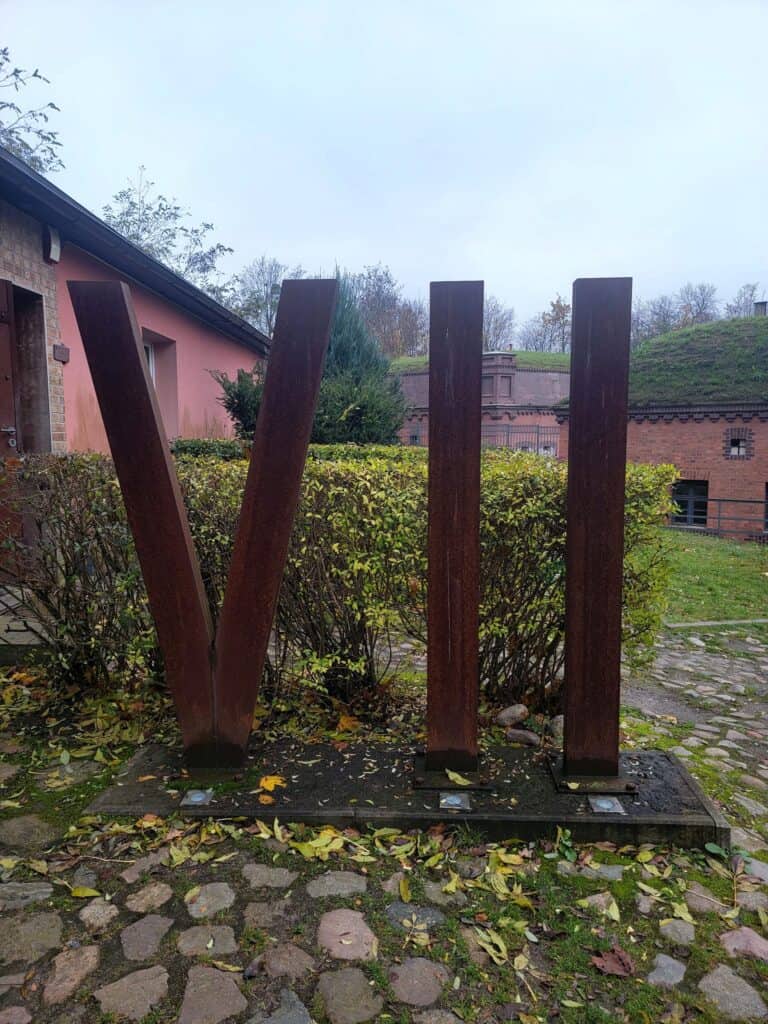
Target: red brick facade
x: 721, y: 455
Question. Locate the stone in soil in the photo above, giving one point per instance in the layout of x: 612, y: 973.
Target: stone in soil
x: 407, y: 915
x: 347, y: 997
x: 151, y: 897
x: 141, y: 939
x: 604, y: 872
x: 701, y: 901
x: 734, y: 997
x: 756, y: 869
x: 434, y: 893
x: 754, y: 901
x: 680, y: 933
x: 207, y: 940
x: 524, y: 737
x: 477, y: 954
x: 556, y: 729
x: 345, y: 936
x: 286, y: 961
x: 15, y: 1015
x: 600, y: 901
x: 667, y: 972
x: 746, y: 840
x: 470, y: 867
x: 98, y: 915
x: 437, y: 1017
x: 144, y: 865
x: 26, y: 832
x: 418, y: 981
x: 751, y: 806
x: 210, y: 997
x: 7, y: 772
x: 745, y: 942
x: 755, y: 783
x: 134, y: 995
x: 9, y: 981
x: 85, y: 877
x: 262, y: 877
x: 290, y: 1011
x: 716, y: 752
x: 644, y: 904
x: 513, y: 715
x: 392, y: 884
x: 267, y: 915
x: 207, y: 900
x: 16, y: 895
x: 337, y: 883
x: 70, y: 968
x: 29, y: 939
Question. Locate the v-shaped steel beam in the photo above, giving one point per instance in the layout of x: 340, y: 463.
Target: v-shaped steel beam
x: 214, y: 678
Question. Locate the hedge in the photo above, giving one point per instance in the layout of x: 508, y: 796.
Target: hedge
x: 355, y: 582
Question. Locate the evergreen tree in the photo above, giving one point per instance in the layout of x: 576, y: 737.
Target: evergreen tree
x: 358, y: 402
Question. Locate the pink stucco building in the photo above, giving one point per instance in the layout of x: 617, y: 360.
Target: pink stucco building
x: 47, y: 400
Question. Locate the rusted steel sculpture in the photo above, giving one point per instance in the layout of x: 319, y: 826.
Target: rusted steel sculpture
x: 214, y: 677
x: 597, y: 445
x: 455, y: 360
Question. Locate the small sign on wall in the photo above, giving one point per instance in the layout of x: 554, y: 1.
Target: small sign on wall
x: 61, y: 353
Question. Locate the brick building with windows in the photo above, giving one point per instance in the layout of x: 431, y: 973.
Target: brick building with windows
x: 699, y: 400
x: 519, y: 395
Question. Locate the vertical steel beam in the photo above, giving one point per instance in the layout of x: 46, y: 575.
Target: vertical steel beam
x: 455, y: 362
x: 283, y: 429
x: 156, y: 514
x: 597, y: 451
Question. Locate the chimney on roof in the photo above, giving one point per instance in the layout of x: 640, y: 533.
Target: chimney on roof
x: 761, y: 308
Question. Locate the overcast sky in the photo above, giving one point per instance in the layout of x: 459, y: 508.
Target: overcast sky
x: 524, y: 143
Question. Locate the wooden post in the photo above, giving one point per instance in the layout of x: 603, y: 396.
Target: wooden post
x: 597, y: 446
x: 455, y: 367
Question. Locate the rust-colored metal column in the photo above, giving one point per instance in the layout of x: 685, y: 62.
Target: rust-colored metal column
x: 153, y: 502
x: 283, y: 429
x: 597, y: 452
x: 455, y: 367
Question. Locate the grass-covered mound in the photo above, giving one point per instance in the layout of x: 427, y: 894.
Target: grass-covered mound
x: 725, y: 361
x: 525, y: 361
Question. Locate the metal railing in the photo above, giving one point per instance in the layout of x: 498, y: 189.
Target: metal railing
x: 541, y: 440
x: 745, y: 518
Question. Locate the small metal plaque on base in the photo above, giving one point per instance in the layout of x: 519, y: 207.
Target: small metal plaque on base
x: 424, y: 778
x: 588, y: 783
x: 455, y: 802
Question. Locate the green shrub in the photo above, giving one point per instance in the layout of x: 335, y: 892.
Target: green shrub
x: 79, y: 578
x: 355, y: 581
x: 221, y: 448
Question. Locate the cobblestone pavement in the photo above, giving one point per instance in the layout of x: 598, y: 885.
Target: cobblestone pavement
x: 255, y: 925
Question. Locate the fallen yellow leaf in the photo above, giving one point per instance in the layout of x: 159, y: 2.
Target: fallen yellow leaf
x: 270, y: 782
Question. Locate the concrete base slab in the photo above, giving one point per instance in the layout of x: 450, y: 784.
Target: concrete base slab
x: 366, y: 785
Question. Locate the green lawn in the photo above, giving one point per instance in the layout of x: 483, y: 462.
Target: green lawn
x: 715, y: 579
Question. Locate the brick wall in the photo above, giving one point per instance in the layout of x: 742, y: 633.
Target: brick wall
x: 700, y: 449
x: 510, y: 397
x: 21, y: 262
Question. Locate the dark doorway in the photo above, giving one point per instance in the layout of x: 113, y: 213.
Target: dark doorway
x: 25, y: 423
x: 690, y: 497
